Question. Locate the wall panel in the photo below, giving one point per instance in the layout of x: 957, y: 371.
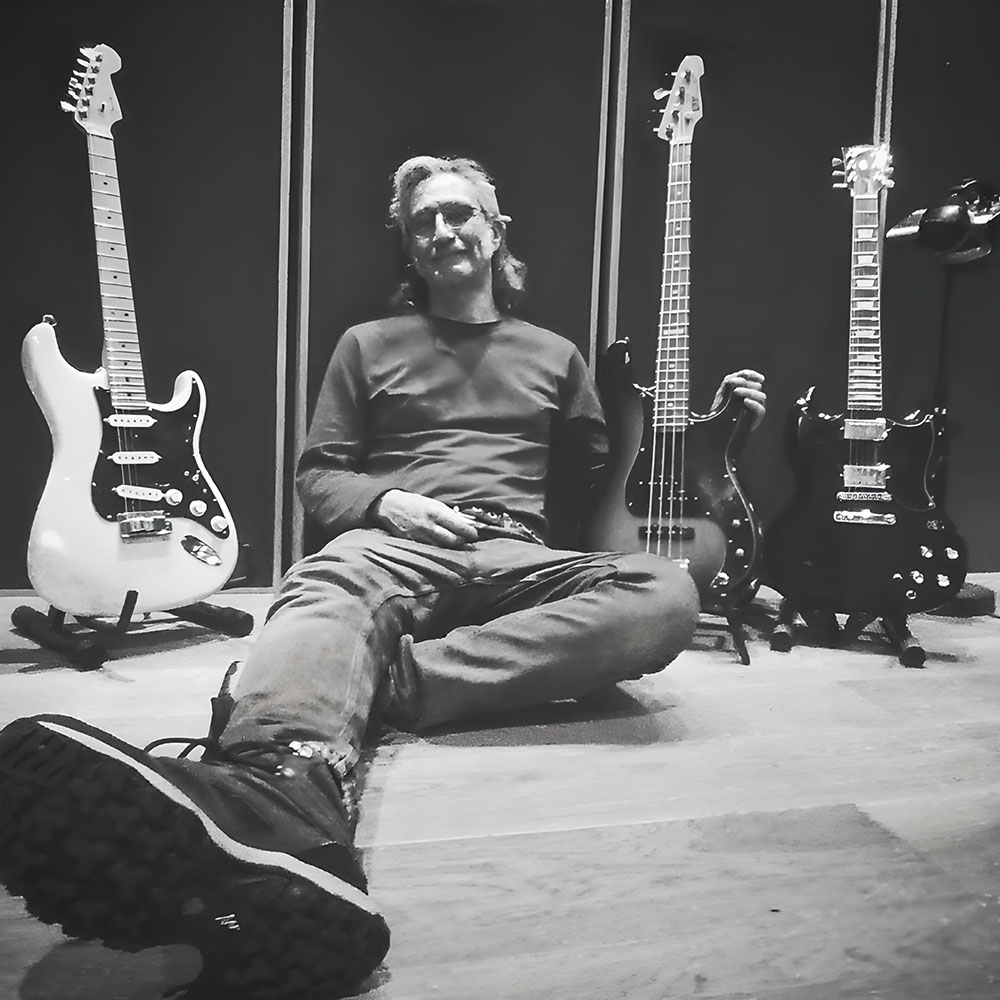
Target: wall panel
x: 198, y: 158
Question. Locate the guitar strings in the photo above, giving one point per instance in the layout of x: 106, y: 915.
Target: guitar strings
x: 666, y: 421
x: 867, y: 452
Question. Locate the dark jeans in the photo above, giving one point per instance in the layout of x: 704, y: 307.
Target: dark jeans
x: 497, y: 624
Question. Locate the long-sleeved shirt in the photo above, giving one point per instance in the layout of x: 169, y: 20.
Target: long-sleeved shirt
x: 485, y: 413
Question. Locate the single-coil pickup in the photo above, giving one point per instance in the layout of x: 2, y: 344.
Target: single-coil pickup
x: 863, y: 517
x: 130, y: 420
x: 138, y: 493
x: 134, y: 457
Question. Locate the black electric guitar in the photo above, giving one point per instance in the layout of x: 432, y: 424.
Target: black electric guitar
x: 673, y: 489
x: 128, y: 505
x: 863, y: 532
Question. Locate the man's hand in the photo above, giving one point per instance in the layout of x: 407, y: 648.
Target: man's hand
x: 422, y: 519
x: 749, y: 386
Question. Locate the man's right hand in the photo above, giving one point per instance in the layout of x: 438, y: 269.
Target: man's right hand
x: 422, y: 519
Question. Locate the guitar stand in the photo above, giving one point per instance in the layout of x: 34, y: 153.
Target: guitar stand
x: 828, y: 631
x: 88, y: 653
x: 736, y: 619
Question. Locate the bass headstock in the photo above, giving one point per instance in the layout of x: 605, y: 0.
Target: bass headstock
x: 683, y: 109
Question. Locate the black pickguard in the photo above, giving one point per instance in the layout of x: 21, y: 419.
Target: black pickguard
x: 916, y: 563
x: 172, y: 438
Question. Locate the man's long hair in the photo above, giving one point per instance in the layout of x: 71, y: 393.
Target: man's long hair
x: 508, y: 272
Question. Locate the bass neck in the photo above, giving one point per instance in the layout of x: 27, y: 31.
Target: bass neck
x: 672, y: 395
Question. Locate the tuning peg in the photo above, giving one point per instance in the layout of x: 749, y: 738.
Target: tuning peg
x: 66, y: 106
x: 660, y: 93
x: 837, y: 162
x: 839, y: 185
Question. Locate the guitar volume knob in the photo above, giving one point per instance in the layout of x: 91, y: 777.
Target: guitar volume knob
x: 197, y: 507
x: 173, y: 497
x: 219, y: 523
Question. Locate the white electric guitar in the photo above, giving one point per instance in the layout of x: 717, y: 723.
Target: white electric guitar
x: 129, y: 516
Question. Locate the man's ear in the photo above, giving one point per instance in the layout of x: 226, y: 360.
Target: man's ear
x: 499, y: 228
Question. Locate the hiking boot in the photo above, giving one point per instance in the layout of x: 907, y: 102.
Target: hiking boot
x: 245, y: 854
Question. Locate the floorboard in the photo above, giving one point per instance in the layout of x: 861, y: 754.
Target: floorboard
x: 819, y: 825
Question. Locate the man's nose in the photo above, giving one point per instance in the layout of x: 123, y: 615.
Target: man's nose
x: 442, y: 231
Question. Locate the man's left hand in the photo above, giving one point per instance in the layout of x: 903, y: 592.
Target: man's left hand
x: 748, y: 385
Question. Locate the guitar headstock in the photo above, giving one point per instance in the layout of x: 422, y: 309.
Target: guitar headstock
x: 93, y: 102
x: 863, y: 169
x: 683, y: 108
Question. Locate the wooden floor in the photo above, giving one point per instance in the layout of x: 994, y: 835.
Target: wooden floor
x: 821, y: 824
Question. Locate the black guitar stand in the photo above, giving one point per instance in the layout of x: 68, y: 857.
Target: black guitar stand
x: 86, y: 651
x: 828, y: 631
x: 734, y: 618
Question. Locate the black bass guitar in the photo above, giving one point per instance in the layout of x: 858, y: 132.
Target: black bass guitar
x: 863, y: 533
x: 673, y: 488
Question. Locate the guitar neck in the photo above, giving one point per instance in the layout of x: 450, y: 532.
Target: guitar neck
x: 671, y: 406
x: 864, y: 366
x: 122, y: 357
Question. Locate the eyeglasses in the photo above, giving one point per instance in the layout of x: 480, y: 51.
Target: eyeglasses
x: 455, y: 215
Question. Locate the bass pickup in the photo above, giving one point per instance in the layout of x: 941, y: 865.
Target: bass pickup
x: 682, y: 531
x: 863, y: 517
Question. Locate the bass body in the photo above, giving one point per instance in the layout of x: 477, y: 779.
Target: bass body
x: 699, y: 515
x: 886, y: 550
x: 105, y: 524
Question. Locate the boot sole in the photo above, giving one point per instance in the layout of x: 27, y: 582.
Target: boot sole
x: 109, y: 849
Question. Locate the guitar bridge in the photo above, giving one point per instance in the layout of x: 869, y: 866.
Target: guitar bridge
x: 680, y: 531
x: 137, y: 525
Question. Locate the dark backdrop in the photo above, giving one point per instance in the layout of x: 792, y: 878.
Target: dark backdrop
x: 786, y: 84
x: 198, y: 159
x: 515, y: 84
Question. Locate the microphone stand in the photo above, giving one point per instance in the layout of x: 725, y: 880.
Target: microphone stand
x: 973, y: 599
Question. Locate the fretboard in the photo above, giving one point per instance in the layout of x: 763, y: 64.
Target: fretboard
x: 122, y: 359
x: 864, y: 365
x: 670, y: 411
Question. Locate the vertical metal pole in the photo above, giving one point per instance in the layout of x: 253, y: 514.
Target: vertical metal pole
x: 281, y: 345
x: 617, y: 173
x: 305, y: 234
x: 602, y: 170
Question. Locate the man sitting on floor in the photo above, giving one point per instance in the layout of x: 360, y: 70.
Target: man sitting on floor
x: 428, y: 460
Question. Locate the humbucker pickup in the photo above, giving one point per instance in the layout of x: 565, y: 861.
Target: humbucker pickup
x: 866, y: 476
x: 865, y: 430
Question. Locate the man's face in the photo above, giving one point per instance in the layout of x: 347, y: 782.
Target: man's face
x: 450, y: 239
